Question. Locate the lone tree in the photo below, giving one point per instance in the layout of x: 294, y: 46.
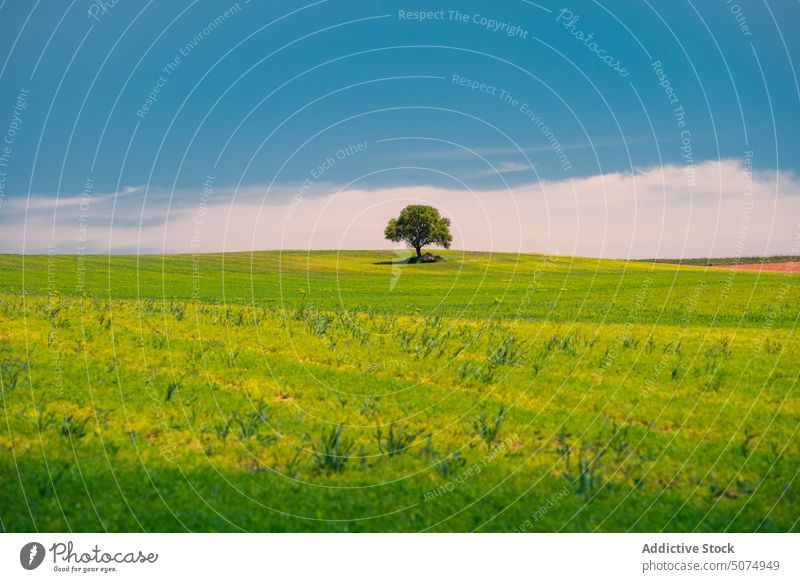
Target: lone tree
x: 418, y: 226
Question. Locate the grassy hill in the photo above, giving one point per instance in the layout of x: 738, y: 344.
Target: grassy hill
x: 336, y: 391
x: 472, y: 285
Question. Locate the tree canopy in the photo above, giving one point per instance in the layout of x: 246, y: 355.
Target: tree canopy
x: 418, y: 226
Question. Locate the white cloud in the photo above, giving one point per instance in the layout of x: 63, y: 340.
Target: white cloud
x: 650, y: 213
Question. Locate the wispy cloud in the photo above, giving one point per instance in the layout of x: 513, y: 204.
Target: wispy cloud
x: 457, y: 152
x: 499, y: 169
x: 712, y: 209
x: 39, y: 202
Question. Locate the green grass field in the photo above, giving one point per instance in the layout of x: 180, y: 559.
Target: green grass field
x: 340, y: 392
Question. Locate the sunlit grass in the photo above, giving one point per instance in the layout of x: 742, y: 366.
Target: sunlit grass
x: 305, y: 391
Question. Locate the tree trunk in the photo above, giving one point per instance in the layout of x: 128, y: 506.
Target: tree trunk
x: 419, y: 251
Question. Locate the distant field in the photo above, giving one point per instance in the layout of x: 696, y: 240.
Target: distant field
x: 785, y: 267
x: 729, y: 261
x: 331, y: 391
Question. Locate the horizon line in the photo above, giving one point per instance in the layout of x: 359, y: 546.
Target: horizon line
x: 788, y: 257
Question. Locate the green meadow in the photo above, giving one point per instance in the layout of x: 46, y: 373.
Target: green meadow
x: 345, y: 391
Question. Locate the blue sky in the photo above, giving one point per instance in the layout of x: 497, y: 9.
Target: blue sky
x: 135, y: 106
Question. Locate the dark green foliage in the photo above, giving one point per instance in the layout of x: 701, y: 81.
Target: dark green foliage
x: 396, y: 440
x: 332, y: 451
x: 418, y: 226
x: 487, y: 428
